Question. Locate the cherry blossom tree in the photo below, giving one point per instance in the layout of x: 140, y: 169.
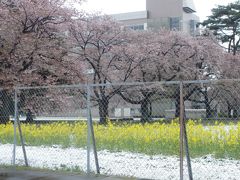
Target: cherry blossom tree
x: 99, y: 43
x: 31, y: 34
x: 166, y: 56
x: 229, y: 90
x: 141, y: 51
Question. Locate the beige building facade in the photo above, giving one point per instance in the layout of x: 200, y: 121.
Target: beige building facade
x: 170, y: 14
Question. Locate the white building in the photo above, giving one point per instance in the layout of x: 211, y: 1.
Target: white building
x: 170, y: 14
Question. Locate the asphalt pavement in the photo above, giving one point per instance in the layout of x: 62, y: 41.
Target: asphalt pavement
x: 10, y: 174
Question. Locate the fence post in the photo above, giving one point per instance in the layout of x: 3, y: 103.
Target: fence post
x: 187, y: 151
x: 17, y: 123
x: 186, y: 144
x: 22, y: 142
x: 94, y: 145
x: 15, y: 128
x: 88, y: 130
x: 181, y: 119
x: 90, y: 135
x: 183, y: 137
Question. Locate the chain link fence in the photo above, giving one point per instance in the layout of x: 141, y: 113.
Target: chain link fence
x: 212, y: 124
x: 159, y: 130
x: 6, y: 133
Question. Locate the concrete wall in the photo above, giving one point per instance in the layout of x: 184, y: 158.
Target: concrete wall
x: 190, y: 4
x: 160, y: 12
x: 130, y: 16
x: 134, y: 22
x: 164, y: 8
x: 186, y: 23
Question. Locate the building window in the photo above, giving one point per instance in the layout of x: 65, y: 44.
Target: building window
x: 137, y: 27
x: 174, y: 23
x: 192, y: 27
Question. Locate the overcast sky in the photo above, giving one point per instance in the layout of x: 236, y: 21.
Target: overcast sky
x: 203, y: 7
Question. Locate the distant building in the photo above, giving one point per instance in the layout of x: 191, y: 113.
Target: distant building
x: 170, y: 14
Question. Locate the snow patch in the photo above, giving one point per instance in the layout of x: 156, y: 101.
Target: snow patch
x: 122, y: 163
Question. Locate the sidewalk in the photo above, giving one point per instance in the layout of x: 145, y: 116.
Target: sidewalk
x: 8, y: 174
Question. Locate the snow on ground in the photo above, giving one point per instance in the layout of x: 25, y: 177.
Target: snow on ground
x: 123, y: 163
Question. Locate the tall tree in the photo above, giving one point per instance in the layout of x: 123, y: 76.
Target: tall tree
x: 98, y: 42
x: 229, y: 90
x: 31, y: 34
x: 166, y: 56
x: 225, y: 24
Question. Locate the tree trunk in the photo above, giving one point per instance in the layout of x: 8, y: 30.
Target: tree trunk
x: 232, y: 111
x: 7, y: 107
x: 207, y: 105
x: 103, y: 110
x: 150, y: 104
x: 208, y: 110
x: 235, y: 112
x: 145, y: 110
x: 177, y: 103
x: 229, y: 110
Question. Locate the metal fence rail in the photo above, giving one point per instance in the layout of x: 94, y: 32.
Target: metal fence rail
x: 132, y: 129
